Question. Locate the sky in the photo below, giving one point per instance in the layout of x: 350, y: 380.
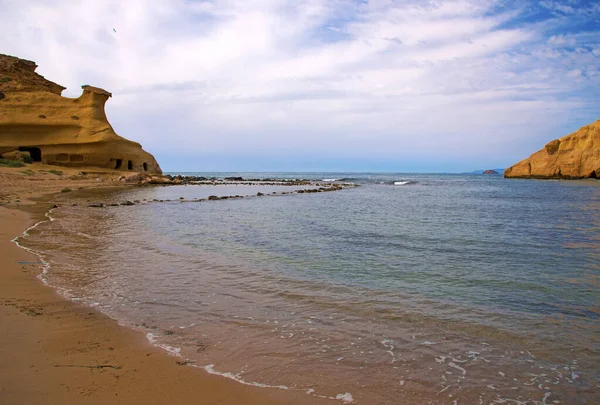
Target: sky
x: 323, y: 85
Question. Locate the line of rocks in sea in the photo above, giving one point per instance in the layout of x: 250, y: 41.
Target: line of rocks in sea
x: 320, y: 189
x: 147, y: 179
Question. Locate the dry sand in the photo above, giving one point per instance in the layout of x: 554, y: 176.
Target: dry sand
x: 54, y: 351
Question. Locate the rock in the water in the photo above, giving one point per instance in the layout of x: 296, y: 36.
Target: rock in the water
x: 160, y: 180
x: 574, y: 156
x: 213, y: 197
x: 490, y: 172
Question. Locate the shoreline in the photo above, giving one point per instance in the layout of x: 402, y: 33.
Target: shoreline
x: 54, y: 350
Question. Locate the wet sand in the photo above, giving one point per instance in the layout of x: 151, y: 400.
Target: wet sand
x: 54, y: 351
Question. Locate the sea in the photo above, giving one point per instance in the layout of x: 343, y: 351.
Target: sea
x: 407, y: 289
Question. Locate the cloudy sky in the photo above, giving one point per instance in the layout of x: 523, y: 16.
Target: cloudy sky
x: 338, y: 85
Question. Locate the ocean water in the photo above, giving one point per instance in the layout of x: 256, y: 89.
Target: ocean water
x: 409, y: 289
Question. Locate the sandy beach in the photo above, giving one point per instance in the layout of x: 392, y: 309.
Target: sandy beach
x: 54, y: 351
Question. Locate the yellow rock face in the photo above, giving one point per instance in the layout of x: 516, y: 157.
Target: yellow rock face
x: 574, y: 156
x: 56, y: 130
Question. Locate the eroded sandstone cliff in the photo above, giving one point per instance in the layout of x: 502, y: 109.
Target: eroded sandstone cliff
x: 574, y: 156
x: 74, y: 132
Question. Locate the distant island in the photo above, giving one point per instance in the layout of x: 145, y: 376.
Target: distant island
x: 487, y: 171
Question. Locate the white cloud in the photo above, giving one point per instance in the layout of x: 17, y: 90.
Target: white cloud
x: 558, y: 6
x: 562, y: 40
x: 266, y: 75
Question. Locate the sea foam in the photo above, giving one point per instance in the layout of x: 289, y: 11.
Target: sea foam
x: 210, y: 368
x: 345, y: 398
x: 45, y: 264
x: 175, y: 351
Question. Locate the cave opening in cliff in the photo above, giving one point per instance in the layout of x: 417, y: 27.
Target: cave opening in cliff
x: 35, y: 153
x: 118, y: 163
x: 593, y: 175
x: 129, y: 165
x: 145, y: 166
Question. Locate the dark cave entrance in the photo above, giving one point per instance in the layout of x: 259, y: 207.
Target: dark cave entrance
x: 145, y: 166
x: 129, y: 165
x: 36, y: 153
x: 118, y: 163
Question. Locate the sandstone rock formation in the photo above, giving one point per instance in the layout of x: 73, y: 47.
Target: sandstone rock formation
x: 574, y: 156
x: 56, y: 130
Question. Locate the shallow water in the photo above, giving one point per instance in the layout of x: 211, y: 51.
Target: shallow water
x: 440, y: 289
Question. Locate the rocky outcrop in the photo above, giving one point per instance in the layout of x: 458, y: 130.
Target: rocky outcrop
x: 56, y: 130
x: 490, y: 172
x: 574, y: 156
